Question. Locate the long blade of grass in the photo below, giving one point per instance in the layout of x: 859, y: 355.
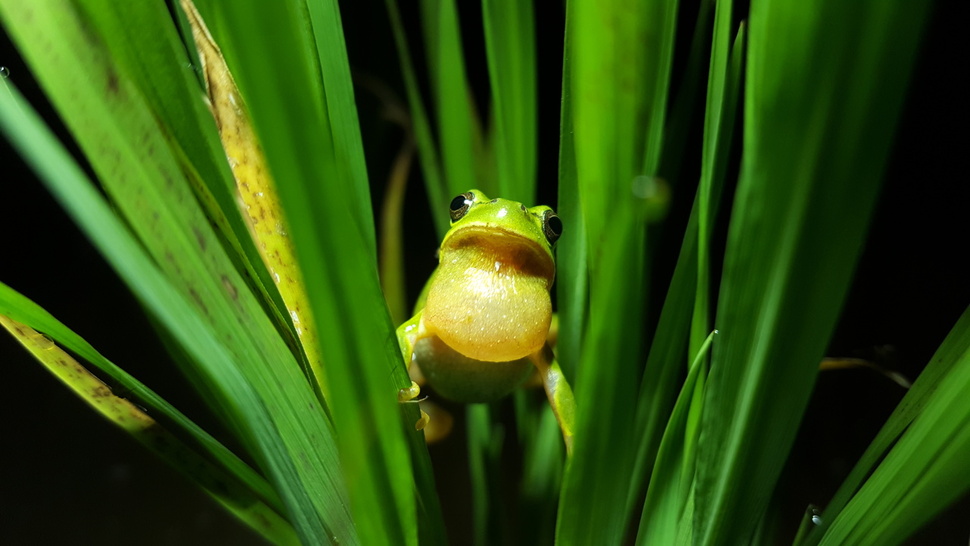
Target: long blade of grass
x: 823, y: 90
x: 220, y: 485
x: 596, y: 478
x: 434, y: 182
x: 665, y: 363
x: 510, y: 45
x: 331, y: 55
x: 459, y: 128
x: 256, y: 193
x: 927, y: 468
x: 722, y: 89
x: 572, y: 275
x: 363, y: 362
x: 315, y: 508
x: 619, y: 76
x: 673, y: 473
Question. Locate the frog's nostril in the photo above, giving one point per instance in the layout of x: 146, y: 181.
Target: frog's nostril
x: 521, y: 206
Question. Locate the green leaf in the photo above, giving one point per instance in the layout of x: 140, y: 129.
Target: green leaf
x: 818, y: 124
x: 510, y: 44
x: 665, y: 363
x: 438, y: 193
x: 618, y: 74
x: 722, y: 90
x: 459, y: 130
x: 338, y: 87
x: 673, y: 473
x: 572, y: 274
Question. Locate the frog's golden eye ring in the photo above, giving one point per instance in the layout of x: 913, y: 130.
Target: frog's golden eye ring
x: 551, y: 226
x: 460, y: 205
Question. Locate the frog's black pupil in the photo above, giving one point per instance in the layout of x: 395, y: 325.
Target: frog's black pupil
x: 458, y: 202
x: 555, y: 225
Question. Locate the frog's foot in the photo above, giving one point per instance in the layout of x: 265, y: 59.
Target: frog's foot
x: 440, y: 423
x: 423, y: 421
x: 559, y: 393
x: 408, y: 395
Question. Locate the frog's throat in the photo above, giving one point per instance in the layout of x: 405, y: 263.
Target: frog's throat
x: 487, y: 310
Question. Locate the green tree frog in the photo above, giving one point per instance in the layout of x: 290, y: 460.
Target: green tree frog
x: 483, y: 319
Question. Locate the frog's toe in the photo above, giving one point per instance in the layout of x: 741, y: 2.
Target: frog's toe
x: 408, y: 394
x: 440, y: 424
x: 423, y: 421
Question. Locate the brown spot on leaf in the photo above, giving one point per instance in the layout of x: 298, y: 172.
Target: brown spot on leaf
x: 263, y: 521
x: 101, y: 391
x: 199, y: 237
x: 112, y: 85
x: 230, y: 288
x: 198, y: 300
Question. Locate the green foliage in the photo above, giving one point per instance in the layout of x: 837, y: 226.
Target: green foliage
x: 687, y: 427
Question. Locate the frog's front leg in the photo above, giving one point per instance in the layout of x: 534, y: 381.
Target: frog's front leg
x: 406, y: 338
x: 558, y: 391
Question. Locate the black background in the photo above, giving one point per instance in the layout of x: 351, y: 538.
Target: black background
x: 69, y: 477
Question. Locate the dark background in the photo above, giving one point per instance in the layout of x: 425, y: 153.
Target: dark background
x: 69, y: 477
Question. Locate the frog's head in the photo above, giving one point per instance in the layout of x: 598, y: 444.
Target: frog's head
x: 505, y: 229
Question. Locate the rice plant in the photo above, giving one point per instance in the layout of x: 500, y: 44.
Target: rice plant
x: 717, y: 172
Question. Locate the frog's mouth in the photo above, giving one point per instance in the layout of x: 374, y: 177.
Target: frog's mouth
x: 506, y: 248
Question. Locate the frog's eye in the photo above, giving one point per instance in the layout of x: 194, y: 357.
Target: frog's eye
x: 551, y: 226
x: 460, y: 204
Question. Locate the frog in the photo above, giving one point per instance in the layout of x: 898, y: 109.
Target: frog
x: 483, y: 325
